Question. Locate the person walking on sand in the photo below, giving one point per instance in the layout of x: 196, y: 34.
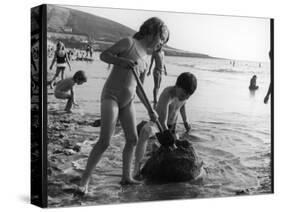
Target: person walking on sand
x: 158, y: 57
x: 61, y: 59
x: 172, y: 101
x: 65, y: 88
x: 119, y: 91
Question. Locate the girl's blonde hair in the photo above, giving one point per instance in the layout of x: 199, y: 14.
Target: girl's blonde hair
x: 152, y: 26
x: 60, y: 45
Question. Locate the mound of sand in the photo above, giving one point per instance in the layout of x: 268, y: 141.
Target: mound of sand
x: 173, y: 164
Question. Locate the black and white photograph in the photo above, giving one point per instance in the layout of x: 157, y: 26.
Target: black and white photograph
x: 149, y: 105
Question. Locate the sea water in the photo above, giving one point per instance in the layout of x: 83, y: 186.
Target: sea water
x: 231, y: 131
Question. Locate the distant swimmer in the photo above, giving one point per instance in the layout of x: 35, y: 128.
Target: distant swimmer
x: 253, y: 82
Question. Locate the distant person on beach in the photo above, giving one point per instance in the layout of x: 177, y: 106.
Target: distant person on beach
x: 64, y: 88
x: 119, y: 91
x: 89, y: 51
x: 61, y: 58
x: 158, y: 57
x: 171, y: 102
x: 253, y: 83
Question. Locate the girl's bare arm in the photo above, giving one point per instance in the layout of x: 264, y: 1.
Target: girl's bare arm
x: 111, y: 55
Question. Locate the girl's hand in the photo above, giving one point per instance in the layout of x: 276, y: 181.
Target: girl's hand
x: 126, y: 63
x: 187, y: 126
x: 153, y: 116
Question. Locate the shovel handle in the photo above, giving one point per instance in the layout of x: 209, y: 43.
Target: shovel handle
x: 149, y: 108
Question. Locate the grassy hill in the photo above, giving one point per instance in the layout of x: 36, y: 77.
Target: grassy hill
x: 104, y: 31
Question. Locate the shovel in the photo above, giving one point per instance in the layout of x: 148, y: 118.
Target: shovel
x: 164, y: 137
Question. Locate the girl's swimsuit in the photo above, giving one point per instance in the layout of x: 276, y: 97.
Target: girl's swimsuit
x: 61, y: 60
x: 121, y: 84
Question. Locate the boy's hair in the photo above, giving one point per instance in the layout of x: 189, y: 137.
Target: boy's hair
x: 152, y: 26
x: 80, y: 76
x: 188, y: 82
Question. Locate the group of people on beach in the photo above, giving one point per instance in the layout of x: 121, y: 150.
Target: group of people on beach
x: 125, y: 56
x: 73, y: 54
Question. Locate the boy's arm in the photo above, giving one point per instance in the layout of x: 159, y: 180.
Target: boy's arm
x: 183, y: 115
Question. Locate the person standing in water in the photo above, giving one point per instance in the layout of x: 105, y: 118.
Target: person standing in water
x: 159, y: 69
x: 253, y: 83
x: 119, y: 92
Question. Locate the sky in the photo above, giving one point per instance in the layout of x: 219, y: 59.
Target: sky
x: 244, y: 38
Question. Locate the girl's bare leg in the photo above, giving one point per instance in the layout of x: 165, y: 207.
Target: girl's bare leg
x: 140, y: 150
x: 69, y: 105
x: 128, y: 121
x: 109, y: 115
x: 54, y: 77
x: 62, y: 73
x: 157, y: 82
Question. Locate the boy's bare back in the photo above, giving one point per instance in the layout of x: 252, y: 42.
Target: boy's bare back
x: 65, y: 85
